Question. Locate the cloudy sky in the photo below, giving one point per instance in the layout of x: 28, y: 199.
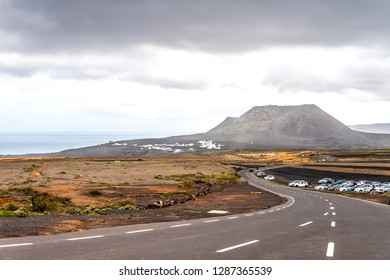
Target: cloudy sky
x: 183, y: 66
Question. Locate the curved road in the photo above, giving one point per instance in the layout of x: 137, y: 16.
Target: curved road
x: 311, y: 225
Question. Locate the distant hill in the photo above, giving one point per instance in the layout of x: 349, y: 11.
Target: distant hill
x: 265, y: 127
x: 372, y: 128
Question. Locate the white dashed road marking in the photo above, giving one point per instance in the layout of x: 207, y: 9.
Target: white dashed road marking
x: 326, y: 213
x: 331, y: 208
x: 333, y: 224
x: 330, y: 250
x: 181, y: 225
x: 305, y: 224
x: 212, y: 221
x: 231, y: 218
x: 142, y: 230
x: 16, y: 245
x: 237, y: 246
x: 334, y: 213
x: 87, y: 237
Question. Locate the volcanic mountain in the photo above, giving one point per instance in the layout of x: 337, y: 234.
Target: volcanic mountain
x: 265, y: 127
x: 305, y: 126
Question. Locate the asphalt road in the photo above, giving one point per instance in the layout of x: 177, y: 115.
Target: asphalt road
x: 309, y: 226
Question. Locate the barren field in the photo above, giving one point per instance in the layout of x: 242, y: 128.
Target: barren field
x: 43, y: 196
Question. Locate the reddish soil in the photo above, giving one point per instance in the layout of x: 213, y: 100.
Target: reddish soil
x: 235, y: 198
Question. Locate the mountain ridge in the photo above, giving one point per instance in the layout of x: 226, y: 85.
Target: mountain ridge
x: 262, y: 127
x: 381, y: 128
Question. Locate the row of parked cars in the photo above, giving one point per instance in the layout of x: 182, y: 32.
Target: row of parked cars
x: 353, y: 186
x: 329, y: 184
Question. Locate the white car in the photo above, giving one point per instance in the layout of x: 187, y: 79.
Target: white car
x: 269, y: 178
x: 260, y: 174
x: 364, y: 188
x: 382, y: 188
x: 320, y: 187
x: 298, y: 183
x: 326, y: 181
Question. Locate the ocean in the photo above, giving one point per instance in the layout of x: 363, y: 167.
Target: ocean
x: 21, y: 143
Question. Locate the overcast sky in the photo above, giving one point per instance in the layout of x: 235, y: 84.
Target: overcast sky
x: 183, y: 66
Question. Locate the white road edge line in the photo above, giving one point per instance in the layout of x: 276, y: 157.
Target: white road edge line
x: 16, y: 245
x: 237, y: 246
x: 87, y: 237
x: 305, y: 224
x: 333, y: 224
x: 248, y: 215
x: 212, y: 221
x: 231, y: 218
x: 330, y: 250
x: 142, y: 230
x: 181, y: 225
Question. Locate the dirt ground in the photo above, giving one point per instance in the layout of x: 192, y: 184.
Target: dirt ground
x: 234, y: 198
x: 152, y: 186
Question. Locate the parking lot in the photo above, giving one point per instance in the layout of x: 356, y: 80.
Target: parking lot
x: 353, y: 185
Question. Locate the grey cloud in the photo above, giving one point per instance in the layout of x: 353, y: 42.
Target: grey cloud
x: 218, y: 25
x: 168, y: 83
x: 369, y: 76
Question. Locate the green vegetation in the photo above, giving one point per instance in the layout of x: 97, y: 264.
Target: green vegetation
x: 11, y: 207
x: 43, y: 202
x: 38, y: 202
x: 123, y: 204
x: 33, y: 202
x: 31, y: 168
x: 3, y: 193
x: 190, y: 180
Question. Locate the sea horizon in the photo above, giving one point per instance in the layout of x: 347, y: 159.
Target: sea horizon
x: 26, y: 142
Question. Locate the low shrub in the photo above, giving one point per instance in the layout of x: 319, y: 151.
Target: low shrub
x: 44, y: 202
x: 187, y: 184
x: 11, y: 207
x: 3, y: 193
x: 95, y: 192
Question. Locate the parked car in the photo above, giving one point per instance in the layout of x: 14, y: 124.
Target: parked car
x: 298, y: 183
x: 269, y: 178
x: 364, y: 188
x: 326, y: 181
x: 345, y: 186
x: 250, y: 170
x: 321, y: 187
x: 382, y: 188
x: 261, y: 174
